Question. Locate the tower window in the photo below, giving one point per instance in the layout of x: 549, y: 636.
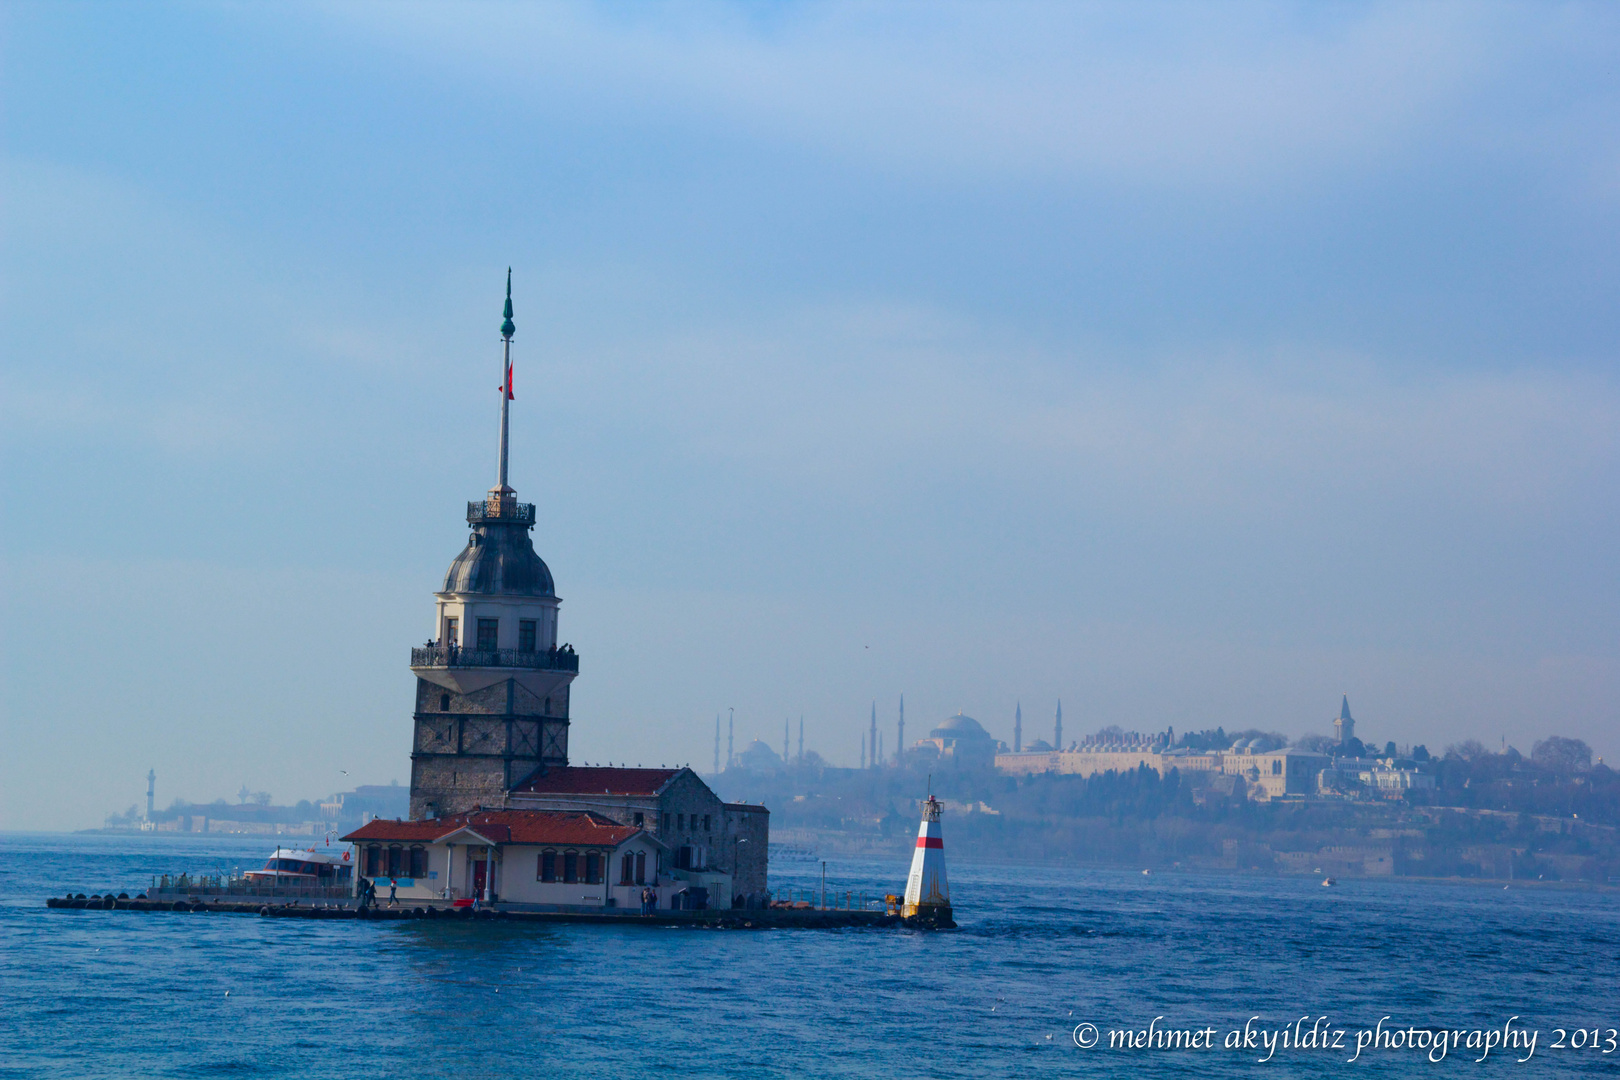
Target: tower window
x: 444, y: 702
x: 488, y: 631
x: 525, y: 635
x: 452, y: 631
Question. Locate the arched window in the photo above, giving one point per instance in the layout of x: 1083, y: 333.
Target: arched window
x: 418, y: 862
x: 641, y: 868
x: 444, y: 702
x: 373, y: 861
x: 593, y: 868
x: 396, y: 860
x: 570, y: 866
x: 548, y: 866
x: 627, y: 869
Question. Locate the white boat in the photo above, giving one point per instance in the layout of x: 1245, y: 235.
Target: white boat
x: 290, y: 867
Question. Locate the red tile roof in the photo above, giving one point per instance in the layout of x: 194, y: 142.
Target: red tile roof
x: 594, y: 780
x: 504, y: 827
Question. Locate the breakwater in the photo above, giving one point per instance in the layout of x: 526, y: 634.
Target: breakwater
x: 730, y: 919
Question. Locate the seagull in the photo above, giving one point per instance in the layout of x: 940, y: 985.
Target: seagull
x: 227, y: 993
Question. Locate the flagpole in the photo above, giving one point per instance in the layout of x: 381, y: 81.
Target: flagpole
x: 507, y: 329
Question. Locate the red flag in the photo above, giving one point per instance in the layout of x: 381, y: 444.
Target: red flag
x: 508, y: 386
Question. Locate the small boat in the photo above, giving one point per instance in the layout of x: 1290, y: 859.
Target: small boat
x: 291, y: 867
x: 1327, y: 881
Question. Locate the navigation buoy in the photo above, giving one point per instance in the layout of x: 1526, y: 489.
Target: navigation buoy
x: 928, y: 893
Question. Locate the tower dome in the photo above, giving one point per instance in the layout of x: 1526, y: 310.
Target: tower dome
x: 499, y: 559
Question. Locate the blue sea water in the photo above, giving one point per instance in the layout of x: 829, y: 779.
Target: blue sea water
x: 1040, y: 951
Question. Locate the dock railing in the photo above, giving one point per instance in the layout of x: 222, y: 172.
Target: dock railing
x: 201, y: 885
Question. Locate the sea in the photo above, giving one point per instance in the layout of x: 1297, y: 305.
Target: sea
x: 1055, y: 971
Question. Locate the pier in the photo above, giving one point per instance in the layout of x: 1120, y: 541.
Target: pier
x: 783, y: 918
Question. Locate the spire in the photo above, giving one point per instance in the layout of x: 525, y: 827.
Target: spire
x: 1057, y: 734
x: 500, y: 496
x: 1344, y: 709
x: 1018, y: 728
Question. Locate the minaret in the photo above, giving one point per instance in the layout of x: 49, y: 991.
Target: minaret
x: 801, y: 738
x: 900, y: 737
x: 1058, y: 733
x: 151, y: 790
x: 784, y: 742
x: 717, y: 744
x: 1018, y: 728
x: 872, y: 741
x: 493, y: 682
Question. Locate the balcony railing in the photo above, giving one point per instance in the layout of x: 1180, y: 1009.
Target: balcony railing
x: 450, y: 656
x: 495, y: 510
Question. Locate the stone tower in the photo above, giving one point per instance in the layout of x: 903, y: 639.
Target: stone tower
x: 492, y: 684
x: 1344, y: 728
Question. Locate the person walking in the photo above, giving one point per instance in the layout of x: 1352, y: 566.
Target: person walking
x: 393, y: 893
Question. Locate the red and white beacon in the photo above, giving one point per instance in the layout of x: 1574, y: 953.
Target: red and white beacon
x: 928, y: 893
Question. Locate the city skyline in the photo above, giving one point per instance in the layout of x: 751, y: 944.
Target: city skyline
x: 1194, y: 369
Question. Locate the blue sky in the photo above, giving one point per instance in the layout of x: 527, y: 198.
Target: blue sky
x: 1192, y: 364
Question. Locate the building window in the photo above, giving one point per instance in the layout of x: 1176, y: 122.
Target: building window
x: 641, y: 868
x: 681, y: 819
x: 444, y: 702
x: 488, y: 634
x: 706, y: 823
x: 666, y: 823
x: 627, y: 869
x: 525, y: 635
x: 418, y: 862
x: 641, y: 819
x: 373, y: 861
x: 452, y: 631
x: 593, y: 868
x: 570, y: 866
x: 548, y: 866
x: 396, y: 861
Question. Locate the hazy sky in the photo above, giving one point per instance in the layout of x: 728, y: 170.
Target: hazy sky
x: 1194, y: 364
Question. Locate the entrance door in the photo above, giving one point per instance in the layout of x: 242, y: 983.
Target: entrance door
x: 479, y: 868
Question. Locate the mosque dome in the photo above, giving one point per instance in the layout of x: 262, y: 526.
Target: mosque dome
x: 499, y: 560
x: 959, y: 727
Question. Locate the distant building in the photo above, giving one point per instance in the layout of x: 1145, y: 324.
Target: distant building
x: 1262, y: 774
x: 959, y: 740
x: 758, y: 758
x: 1272, y: 774
x: 1344, y: 728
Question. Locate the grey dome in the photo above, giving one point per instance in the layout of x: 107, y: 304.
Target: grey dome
x: 959, y: 727
x: 499, y: 559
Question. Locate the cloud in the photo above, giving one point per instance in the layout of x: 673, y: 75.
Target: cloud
x: 1156, y: 95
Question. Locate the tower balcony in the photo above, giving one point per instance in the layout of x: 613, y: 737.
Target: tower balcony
x: 498, y: 508
x: 451, y: 656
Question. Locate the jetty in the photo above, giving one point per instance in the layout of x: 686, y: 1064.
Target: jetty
x: 783, y: 918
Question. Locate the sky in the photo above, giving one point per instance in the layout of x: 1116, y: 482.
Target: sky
x: 1191, y: 364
